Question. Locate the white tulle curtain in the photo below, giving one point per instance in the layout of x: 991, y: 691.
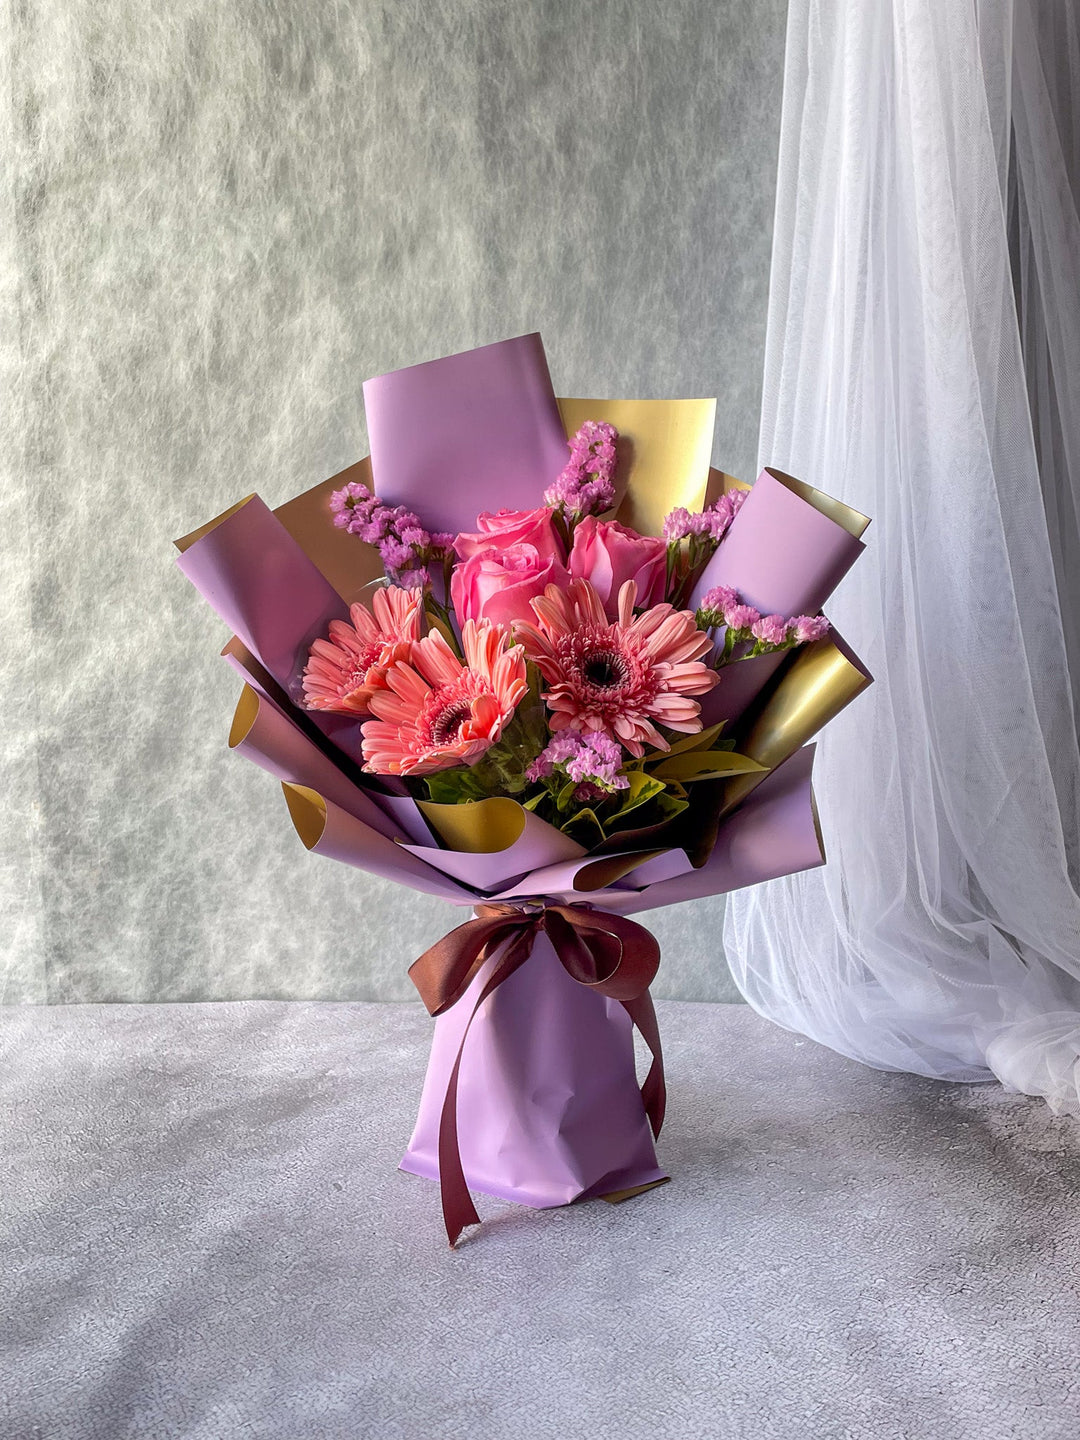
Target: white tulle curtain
x: 923, y: 363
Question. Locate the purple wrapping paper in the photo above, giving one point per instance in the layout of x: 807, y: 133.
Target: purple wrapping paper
x: 254, y: 574
x: 548, y: 1104
x: 328, y: 830
x: 472, y: 432
x: 264, y: 734
x: 781, y: 554
x: 784, y: 557
x: 740, y: 685
x: 774, y: 832
x: 575, y: 881
x: 539, y: 844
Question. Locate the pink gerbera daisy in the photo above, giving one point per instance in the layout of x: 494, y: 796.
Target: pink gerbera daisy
x: 344, y: 672
x: 623, y: 678
x: 438, y: 712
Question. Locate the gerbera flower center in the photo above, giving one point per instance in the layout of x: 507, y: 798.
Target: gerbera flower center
x: 363, y: 663
x: 605, y: 668
x: 447, y: 724
x: 624, y: 678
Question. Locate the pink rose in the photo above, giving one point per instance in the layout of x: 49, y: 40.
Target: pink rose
x: 498, y: 583
x: 607, y: 554
x: 513, y: 527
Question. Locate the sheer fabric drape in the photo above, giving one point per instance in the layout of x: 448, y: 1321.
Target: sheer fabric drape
x: 923, y: 363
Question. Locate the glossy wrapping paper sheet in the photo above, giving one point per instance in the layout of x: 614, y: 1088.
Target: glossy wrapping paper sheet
x: 541, y: 1071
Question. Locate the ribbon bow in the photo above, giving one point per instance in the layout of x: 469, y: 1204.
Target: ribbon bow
x: 610, y: 954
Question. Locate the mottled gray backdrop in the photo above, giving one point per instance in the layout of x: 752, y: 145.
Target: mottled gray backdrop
x: 219, y: 217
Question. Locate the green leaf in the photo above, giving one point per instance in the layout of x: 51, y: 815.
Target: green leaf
x: 717, y: 775
x: 701, y: 741
x: 455, y: 787
x: 566, y: 795
x: 436, y: 622
x: 701, y: 763
x: 671, y: 805
x: 665, y: 803
x: 586, y: 818
x: 643, y: 788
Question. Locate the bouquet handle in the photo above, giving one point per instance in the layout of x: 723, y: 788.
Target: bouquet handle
x: 609, y: 954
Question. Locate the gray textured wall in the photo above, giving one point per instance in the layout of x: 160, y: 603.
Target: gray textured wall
x: 228, y: 213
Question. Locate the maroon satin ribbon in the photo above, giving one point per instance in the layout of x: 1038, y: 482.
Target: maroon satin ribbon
x: 610, y: 954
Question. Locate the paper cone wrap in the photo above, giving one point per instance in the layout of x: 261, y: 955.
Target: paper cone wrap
x: 787, y: 550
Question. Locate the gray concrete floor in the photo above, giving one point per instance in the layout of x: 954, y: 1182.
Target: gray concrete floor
x: 206, y: 1236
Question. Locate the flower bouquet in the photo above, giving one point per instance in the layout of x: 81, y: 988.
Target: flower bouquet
x: 555, y: 688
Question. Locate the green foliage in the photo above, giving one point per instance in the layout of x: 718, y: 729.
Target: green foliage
x: 657, y: 788
x: 704, y: 765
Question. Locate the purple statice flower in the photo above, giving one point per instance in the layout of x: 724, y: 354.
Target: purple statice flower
x: 591, y: 759
x: 805, y: 628
x: 722, y: 606
x: 349, y: 496
x: 710, y: 525
x: 586, y: 486
x: 741, y: 617
x: 558, y: 749
x: 714, y: 604
x: 770, y: 630
x: 720, y: 515
x: 352, y: 507
x: 593, y: 447
x: 404, y: 545
x: 677, y: 525
x: 396, y: 555
x: 692, y: 539
x: 720, y: 598
x: 598, y: 759
x: 595, y: 496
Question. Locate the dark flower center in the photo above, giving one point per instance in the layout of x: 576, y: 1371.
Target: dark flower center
x: 448, y: 723
x: 604, y: 669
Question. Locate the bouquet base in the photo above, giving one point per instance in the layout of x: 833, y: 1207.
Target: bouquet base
x: 549, y: 1109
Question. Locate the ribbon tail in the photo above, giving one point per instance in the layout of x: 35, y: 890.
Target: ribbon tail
x: 458, y: 1209
x: 457, y: 1206
x: 624, y: 973
x: 654, y: 1090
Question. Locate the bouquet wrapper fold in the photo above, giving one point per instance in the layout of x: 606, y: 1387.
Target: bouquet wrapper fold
x: 253, y: 572
x: 430, y: 429
x: 787, y: 550
x: 249, y: 568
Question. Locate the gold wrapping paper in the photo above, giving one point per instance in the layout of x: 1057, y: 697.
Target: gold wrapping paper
x: 853, y: 521
x: 821, y: 679
x: 664, y: 451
